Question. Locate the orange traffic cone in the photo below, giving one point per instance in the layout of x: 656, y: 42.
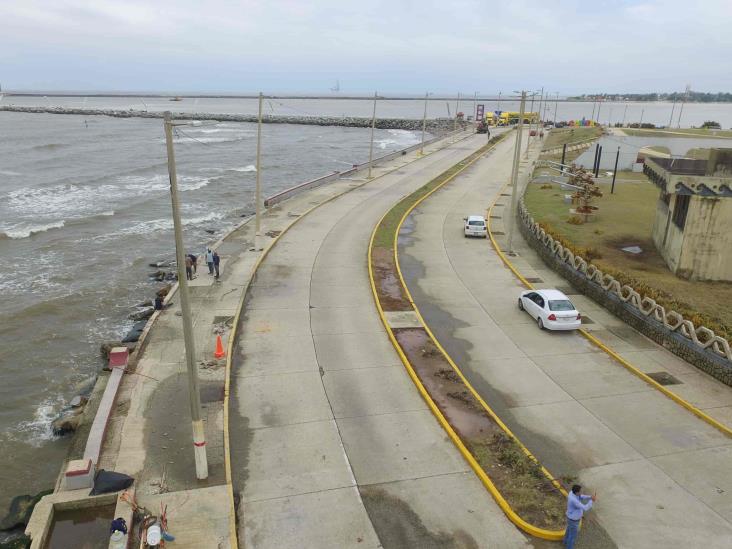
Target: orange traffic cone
x: 219, y: 348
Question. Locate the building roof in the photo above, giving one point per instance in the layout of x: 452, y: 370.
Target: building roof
x: 688, y: 176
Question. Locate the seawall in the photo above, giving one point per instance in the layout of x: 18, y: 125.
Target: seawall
x: 435, y: 125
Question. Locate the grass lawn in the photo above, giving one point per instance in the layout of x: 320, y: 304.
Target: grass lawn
x: 626, y: 219
x: 559, y: 136
x: 688, y: 132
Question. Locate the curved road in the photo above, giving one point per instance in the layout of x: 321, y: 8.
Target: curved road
x: 663, y: 476
x: 331, y: 445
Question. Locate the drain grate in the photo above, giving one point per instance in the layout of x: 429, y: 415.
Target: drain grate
x: 496, y: 217
x: 664, y: 378
x: 498, y: 204
x: 497, y: 233
x: 535, y: 280
x: 505, y: 194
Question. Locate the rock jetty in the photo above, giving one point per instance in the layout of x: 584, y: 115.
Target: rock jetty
x: 434, y: 126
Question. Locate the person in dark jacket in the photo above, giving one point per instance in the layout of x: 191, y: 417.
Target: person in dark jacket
x: 216, y: 261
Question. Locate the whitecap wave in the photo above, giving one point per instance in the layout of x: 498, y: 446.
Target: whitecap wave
x: 25, y: 231
x: 249, y: 168
x: 165, y: 224
x: 38, y: 430
x: 8, y: 172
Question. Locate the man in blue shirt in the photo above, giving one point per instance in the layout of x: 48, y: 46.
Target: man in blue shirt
x: 577, y: 504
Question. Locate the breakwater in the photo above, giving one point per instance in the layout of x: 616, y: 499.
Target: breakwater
x: 433, y: 125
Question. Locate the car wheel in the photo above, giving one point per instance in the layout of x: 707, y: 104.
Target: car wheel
x: 521, y: 304
x: 540, y: 323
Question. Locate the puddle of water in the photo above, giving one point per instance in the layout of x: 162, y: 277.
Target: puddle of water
x: 81, y: 528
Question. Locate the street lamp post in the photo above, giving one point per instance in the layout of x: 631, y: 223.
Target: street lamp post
x: 514, y: 173
x: 373, y: 126
x: 194, y: 395
x: 424, y: 121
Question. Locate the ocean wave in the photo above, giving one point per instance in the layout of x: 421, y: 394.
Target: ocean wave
x: 20, y: 231
x: 144, y: 184
x: 48, y: 147
x: 8, y: 172
x: 63, y: 200
x: 38, y: 430
x: 249, y: 168
x: 165, y: 224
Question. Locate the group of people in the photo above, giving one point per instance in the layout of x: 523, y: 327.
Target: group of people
x: 212, y: 260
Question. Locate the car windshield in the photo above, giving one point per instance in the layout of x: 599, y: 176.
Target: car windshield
x: 480, y: 223
x: 560, y: 305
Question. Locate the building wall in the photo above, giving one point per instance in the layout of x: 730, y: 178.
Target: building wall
x: 667, y: 237
x: 706, y: 252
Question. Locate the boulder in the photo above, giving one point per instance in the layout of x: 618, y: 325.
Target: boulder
x: 135, y: 332
x: 79, y: 401
x: 67, y: 423
x: 107, y: 346
x: 162, y: 292
x: 146, y: 303
x: 143, y: 314
x: 21, y: 508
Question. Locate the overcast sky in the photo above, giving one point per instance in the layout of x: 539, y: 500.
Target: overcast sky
x: 393, y: 46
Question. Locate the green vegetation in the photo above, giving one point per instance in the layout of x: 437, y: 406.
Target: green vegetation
x: 692, y: 97
x: 559, y: 136
x: 674, y: 132
x: 698, y: 154
x: 626, y: 219
x: 659, y: 148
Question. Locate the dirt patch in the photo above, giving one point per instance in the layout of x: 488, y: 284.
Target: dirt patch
x: 391, y: 293
x: 448, y: 374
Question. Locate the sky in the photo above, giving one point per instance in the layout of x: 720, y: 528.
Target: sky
x: 393, y: 46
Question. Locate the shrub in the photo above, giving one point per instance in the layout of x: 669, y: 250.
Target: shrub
x: 712, y: 125
x: 575, y: 220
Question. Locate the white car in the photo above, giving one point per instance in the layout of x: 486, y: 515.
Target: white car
x: 551, y: 308
x: 475, y: 226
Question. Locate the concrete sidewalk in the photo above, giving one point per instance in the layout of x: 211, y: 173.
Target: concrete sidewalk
x: 662, y: 475
x: 331, y: 445
x: 149, y: 435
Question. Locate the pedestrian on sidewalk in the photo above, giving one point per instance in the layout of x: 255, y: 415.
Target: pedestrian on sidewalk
x: 216, y: 261
x: 194, y: 260
x: 189, y: 268
x: 209, y: 261
x: 577, y: 504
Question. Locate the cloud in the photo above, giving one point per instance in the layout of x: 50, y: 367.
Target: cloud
x: 397, y: 46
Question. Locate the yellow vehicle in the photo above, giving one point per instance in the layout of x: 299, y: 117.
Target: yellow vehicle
x: 491, y: 118
x: 508, y: 118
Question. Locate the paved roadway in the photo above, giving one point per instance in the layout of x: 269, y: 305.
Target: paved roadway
x: 663, y: 477
x: 331, y: 445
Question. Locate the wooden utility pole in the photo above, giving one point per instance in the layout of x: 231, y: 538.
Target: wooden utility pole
x: 194, y: 396
x: 373, y: 125
x: 514, y: 174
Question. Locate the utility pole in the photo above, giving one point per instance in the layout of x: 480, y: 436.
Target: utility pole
x: 641, y: 120
x: 531, y: 112
x: 615, y: 171
x: 671, y: 118
x: 624, y: 113
x: 258, y: 185
x: 373, y: 125
x: 457, y: 109
x: 556, y: 104
x: 499, y: 101
x: 592, y: 116
x: 475, y: 106
x: 514, y: 174
x: 199, y: 436
x: 424, y: 121
x: 599, y: 106
x: 686, y: 98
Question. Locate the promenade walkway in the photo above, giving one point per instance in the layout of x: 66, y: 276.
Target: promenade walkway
x: 662, y: 475
x: 331, y: 445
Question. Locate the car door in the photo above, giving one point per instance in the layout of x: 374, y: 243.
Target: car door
x: 530, y: 304
x: 539, y: 304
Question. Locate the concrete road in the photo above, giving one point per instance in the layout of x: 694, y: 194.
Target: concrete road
x: 332, y: 447
x: 663, y: 477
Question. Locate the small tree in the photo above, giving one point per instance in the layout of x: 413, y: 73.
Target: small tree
x: 711, y: 125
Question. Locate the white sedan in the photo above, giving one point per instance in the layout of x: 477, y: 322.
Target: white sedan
x: 551, y: 308
x: 475, y: 226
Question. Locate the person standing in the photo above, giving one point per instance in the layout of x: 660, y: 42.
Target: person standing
x: 216, y: 261
x: 189, y: 268
x: 577, y: 504
x: 209, y: 261
x: 194, y: 261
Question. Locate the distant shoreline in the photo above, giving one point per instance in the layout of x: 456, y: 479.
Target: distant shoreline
x: 465, y: 99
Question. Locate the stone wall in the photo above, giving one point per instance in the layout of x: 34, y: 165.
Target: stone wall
x: 436, y: 125
x: 697, y: 345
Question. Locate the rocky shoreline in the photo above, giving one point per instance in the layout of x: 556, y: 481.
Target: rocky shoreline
x: 434, y: 126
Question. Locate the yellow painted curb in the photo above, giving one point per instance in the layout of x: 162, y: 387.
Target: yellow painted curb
x: 553, y: 535
x: 237, y: 317
x: 608, y: 350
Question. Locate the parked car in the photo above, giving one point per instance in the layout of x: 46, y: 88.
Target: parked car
x: 551, y: 308
x: 475, y: 226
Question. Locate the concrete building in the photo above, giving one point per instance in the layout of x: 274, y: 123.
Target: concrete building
x: 693, y: 225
